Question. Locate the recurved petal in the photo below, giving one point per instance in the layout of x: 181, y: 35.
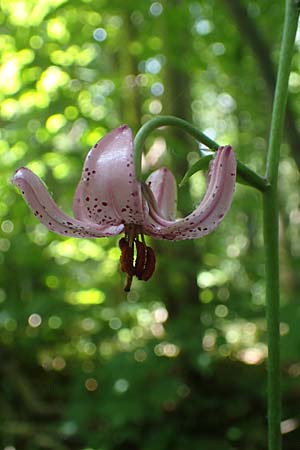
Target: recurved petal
x: 215, y: 204
x: 48, y: 213
x: 79, y: 209
x: 163, y: 186
x: 108, y: 193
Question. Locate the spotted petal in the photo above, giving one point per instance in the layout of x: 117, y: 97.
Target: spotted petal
x: 163, y: 186
x: 47, y: 211
x: 108, y: 193
x: 207, y: 216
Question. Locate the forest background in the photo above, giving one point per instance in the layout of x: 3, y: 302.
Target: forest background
x: 179, y: 362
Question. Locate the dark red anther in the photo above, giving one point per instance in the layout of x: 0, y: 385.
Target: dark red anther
x: 141, y: 264
x: 140, y: 259
x: 149, y: 265
x: 123, y: 243
x: 126, y: 258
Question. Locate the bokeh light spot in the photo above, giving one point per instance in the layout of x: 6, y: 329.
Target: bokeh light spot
x: 121, y: 385
x: 100, y: 34
x: 91, y: 384
x: 34, y: 320
x: 156, y: 8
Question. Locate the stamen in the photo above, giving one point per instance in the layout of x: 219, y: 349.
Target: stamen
x: 140, y: 259
x: 126, y: 259
x: 123, y: 243
x: 142, y: 263
x: 150, y: 264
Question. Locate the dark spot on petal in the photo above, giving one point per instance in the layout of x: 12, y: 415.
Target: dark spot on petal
x: 87, y: 199
x: 104, y: 203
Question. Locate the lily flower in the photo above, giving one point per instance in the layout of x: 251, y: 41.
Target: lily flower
x: 109, y: 200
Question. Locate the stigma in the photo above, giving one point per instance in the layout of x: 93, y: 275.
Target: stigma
x: 137, y: 259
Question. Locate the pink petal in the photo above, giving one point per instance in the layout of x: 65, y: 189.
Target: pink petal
x: 163, y: 186
x: 208, y: 215
x: 46, y: 210
x: 80, y: 213
x: 108, y: 193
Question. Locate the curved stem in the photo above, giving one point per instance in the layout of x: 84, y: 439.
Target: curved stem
x: 248, y: 175
x: 270, y: 224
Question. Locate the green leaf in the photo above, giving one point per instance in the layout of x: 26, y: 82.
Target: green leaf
x: 203, y: 163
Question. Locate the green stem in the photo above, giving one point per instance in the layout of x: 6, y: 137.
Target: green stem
x: 248, y: 175
x: 270, y: 224
x: 252, y: 178
x: 281, y: 91
x: 270, y: 227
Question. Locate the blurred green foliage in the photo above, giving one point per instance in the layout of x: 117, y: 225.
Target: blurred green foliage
x: 179, y: 362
